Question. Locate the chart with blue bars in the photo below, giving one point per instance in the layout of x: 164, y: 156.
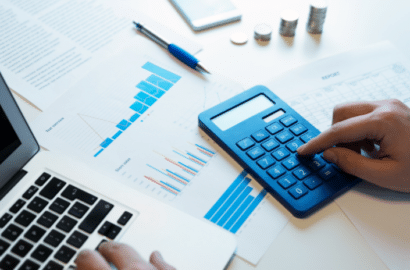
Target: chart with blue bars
x: 235, y: 206
x: 148, y: 92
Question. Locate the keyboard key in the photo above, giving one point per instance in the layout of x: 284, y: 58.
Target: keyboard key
x: 270, y: 145
x: 102, y: 241
x: 96, y: 216
x: 59, y: 205
x: 265, y: 162
x: 113, y: 232
x: 78, y: 210
x: 245, y: 144
x: 17, y: 206
x: 276, y: 171
x: 12, y: 232
x: 291, y: 163
x: 52, y: 265
x: 37, y: 204
x: 298, y: 129
x: 25, y: 218
x: 105, y: 228
x: 124, y: 218
x: 71, y: 193
x: 42, y: 179
x: 255, y: 153
x: 313, y: 182
x: 281, y: 154
x: 5, y: 219
x: 29, y: 265
x: 66, y: 224
x: 9, y: 263
x: 77, y: 239
x: 288, y: 121
x: 307, y: 137
x: 298, y: 191
x: 274, y: 128
x: 316, y: 163
x: 54, y: 238
x: 64, y: 254
x: 284, y: 137
x: 21, y: 248
x: 41, y: 253
x: 52, y: 188
x: 30, y: 192
x: 301, y: 173
x: 47, y: 219
x: 327, y: 173
x: 3, y: 246
x: 287, y: 181
x: 294, y: 145
x: 260, y: 135
x: 35, y: 233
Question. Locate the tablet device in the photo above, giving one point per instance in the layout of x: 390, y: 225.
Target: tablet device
x: 203, y: 14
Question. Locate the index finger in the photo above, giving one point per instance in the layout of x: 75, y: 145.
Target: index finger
x: 122, y: 256
x: 351, y: 130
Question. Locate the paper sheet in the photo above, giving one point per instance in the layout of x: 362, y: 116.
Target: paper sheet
x: 46, y: 46
x: 374, y: 73
x: 137, y: 121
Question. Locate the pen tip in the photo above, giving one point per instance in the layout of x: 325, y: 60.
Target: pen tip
x: 201, y: 68
x: 138, y: 25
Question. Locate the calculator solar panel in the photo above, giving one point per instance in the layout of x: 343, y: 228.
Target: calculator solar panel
x: 262, y: 133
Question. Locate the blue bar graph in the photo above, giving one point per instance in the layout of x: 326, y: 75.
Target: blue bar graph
x: 106, y: 143
x: 139, y: 107
x: 235, y: 205
x: 116, y: 135
x: 145, y: 98
x: 205, y: 149
x: 123, y: 125
x: 167, y: 75
x: 150, y: 89
x: 161, y: 83
x: 99, y: 152
x: 134, y: 117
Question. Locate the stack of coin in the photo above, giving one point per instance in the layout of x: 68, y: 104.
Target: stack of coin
x: 288, y: 22
x: 316, y: 17
x: 263, y: 32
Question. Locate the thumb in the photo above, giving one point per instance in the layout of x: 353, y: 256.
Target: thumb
x: 373, y: 170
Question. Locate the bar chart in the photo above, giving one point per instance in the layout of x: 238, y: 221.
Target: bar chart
x: 235, y: 205
x: 149, y: 91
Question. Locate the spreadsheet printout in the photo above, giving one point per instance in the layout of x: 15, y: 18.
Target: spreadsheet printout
x: 139, y: 126
x: 374, y: 73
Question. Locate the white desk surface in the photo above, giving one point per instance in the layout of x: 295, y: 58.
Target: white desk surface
x: 327, y: 240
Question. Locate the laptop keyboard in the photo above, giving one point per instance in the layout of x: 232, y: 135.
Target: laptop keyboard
x: 48, y: 225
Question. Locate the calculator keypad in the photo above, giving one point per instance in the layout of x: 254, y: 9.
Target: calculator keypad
x: 274, y: 150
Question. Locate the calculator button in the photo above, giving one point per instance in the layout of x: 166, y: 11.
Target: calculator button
x: 301, y: 172
x: 288, y: 121
x: 274, y: 128
x: 298, y: 129
x: 287, y: 181
x: 307, y: 137
x: 276, y: 171
x: 245, y: 144
x: 281, y: 154
x: 260, y: 135
x: 327, y: 173
x: 298, y: 191
x: 316, y: 163
x: 312, y: 182
x: 266, y: 162
x: 284, y: 137
x: 255, y: 153
x: 294, y: 145
x: 291, y: 163
x: 270, y: 145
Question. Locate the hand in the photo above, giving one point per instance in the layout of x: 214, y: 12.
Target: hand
x: 381, y: 129
x: 122, y: 256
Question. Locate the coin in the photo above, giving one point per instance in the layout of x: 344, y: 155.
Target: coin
x: 288, y: 23
x: 239, y: 38
x: 317, y: 17
x: 263, y: 32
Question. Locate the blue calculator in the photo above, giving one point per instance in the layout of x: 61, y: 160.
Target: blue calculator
x: 262, y: 133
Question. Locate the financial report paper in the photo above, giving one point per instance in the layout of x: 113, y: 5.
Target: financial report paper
x: 46, y: 46
x: 137, y: 122
x: 376, y: 72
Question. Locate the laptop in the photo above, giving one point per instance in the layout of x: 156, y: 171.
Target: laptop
x: 51, y: 207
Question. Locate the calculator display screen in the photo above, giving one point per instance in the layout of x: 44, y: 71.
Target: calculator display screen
x: 242, y: 112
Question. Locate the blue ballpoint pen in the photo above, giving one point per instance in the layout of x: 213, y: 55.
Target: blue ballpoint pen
x: 182, y: 55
